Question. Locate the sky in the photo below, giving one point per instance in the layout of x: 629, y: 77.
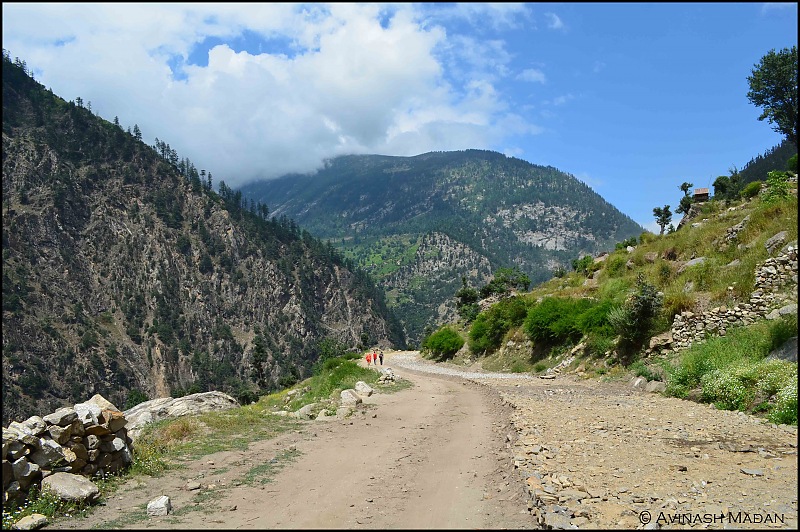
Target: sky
x: 632, y: 99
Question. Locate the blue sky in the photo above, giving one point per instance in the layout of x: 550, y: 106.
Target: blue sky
x: 633, y: 99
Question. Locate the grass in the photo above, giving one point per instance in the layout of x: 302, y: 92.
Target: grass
x: 733, y: 373
x: 263, y: 473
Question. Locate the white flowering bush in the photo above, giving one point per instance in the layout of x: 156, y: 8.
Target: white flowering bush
x: 785, y: 410
x: 726, y: 389
x: 774, y: 375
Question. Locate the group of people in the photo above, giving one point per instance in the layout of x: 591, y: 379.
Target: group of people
x: 372, y: 358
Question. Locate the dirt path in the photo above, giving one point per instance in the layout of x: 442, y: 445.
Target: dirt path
x: 431, y: 456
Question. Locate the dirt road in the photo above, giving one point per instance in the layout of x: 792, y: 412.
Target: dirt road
x: 431, y: 456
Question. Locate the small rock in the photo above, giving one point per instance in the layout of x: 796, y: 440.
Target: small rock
x: 753, y: 472
x: 159, y: 506
x: 30, y: 522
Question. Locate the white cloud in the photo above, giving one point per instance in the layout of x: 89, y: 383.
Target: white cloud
x: 495, y: 15
x: 772, y: 7
x: 532, y: 75
x: 561, y: 100
x: 349, y: 78
x: 554, y: 22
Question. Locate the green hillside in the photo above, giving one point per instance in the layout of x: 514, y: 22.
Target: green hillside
x: 426, y: 221
x: 616, y: 313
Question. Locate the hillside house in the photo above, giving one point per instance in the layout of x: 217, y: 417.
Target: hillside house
x: 700, y: 194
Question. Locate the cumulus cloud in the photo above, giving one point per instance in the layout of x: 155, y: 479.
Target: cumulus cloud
x: 532, y: 74
x: 553, y: 21
x: 324, y: 80
x: 771, y: 7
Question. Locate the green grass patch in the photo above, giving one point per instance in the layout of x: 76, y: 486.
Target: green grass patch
x: 263, y: 473
x: 732, y: 371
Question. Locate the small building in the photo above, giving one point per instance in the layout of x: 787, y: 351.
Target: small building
x: 700, y: 194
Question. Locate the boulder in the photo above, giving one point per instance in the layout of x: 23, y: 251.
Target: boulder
x: 350, y: 398
x: 775, y: 242
x: 689, y: 264
x: 25, y: 472
x: 71, y: 487
x: 168, y: 407
x: 305, y: 412
x: 788, y: 351
x: 363, y: 389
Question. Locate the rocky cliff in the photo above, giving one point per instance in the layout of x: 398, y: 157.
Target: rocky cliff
x: 124, y: 274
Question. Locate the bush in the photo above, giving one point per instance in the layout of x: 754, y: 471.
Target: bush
x: 135, y: 397
x: 444, y: 343
x: 725, y: 389
x: 785, y: 410
x: 751, y: 190
x: 583, y: 265
x: 594, y: 320
x: 555, y: 320
x: 491, y: 325
x: 615, y: 264
x: 777, y: 187
x: 634, y: 319
x: 791, y: 164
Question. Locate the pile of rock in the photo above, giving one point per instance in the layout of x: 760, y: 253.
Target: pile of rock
x: 87, y: 439
x: 387, y: 376
x: 774, y: 273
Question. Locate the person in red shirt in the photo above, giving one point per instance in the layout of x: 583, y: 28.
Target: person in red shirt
x: 369, y: 358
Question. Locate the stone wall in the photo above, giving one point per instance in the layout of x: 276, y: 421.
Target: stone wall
x: 776, y: 272
x: 89, y: 439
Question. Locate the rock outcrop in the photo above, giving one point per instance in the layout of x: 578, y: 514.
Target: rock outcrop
x: 169, y: 407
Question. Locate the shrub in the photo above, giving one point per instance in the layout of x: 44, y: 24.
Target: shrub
x: 506, y: 279
x: 725, y: 389
x: 135, y: 397
x: 785, y: 410
x: 491, y: 325
x: 781, y: 330
x: 777, y: 187
x: 555, y: 320
x: 583, y: 265
x: 615, y: 264
x: 791, y: 164
x: 634, y: 319
x: 598, y: 345
x: 594, y: 320
x: 751, y: 190
x: 444, y: 343
x: 676, y: 302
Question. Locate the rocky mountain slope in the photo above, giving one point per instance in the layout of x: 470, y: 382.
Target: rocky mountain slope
x: 431, y: 219
x: 124, y: 274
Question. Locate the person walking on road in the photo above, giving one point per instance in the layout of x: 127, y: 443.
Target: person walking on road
x: 381, y: 357
x: 369, y: 358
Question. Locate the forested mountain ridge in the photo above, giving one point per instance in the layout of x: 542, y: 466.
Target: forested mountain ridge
x: 125, y: 274
x: 498, y: 211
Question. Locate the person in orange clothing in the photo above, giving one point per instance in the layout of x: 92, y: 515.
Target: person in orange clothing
x: 369, y: 358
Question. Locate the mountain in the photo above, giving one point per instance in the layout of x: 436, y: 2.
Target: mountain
x: 774, y: 158
x: 419, y: 224
x: 124, y: 274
